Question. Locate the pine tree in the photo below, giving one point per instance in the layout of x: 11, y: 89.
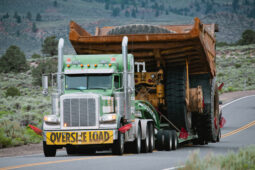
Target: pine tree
x: 38, y: 17
x: 29, y: 16
x: 34, y: 28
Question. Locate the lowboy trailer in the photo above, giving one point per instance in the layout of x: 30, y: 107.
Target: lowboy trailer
x: 157, y: 89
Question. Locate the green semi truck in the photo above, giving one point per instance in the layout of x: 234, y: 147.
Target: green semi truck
x: 109, y: 100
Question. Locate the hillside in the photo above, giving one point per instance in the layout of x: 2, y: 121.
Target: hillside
x: 26, y: 30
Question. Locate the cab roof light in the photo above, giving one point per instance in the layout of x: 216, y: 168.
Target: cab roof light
x: 68, y: 65
x: 95, y: 65
x: 82, y: 65
x: 110, y: 65
x: 88, y: 65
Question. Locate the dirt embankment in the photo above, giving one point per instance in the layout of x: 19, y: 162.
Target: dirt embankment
x: 37, y: 148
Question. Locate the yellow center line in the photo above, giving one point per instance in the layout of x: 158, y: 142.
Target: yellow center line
x: 239, y: 129
x: 52, y: 162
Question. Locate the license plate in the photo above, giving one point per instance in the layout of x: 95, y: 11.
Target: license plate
x: 79, y: 138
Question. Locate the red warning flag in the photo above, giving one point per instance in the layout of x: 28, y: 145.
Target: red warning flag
x: 36, y: 130
x: 125, y: 128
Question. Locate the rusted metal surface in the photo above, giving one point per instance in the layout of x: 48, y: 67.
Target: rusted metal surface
x: 193, y: 42
x: 196, y: 100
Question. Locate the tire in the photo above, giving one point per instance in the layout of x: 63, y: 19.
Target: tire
x: 146, y: 141
x: 175, y: 89
x: 169, y: 140
x: 118, y: 146
x: 138, y: 29
x: 137, y: 144
x: 174, y: 140
x: 49, y: 150
x: 152, y: 138
x: 70, y: 150
x: 160, y: 140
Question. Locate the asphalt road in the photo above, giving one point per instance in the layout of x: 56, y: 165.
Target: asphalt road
x: 238, y: 132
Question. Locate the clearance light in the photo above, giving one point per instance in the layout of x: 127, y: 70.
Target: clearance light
x: 65, y: 125
x: 95, y: 65
x: 68, y: 65
x: 110, y: 65
x: 113, y: 59
x: 68, y: 60
x: 81, y: 65
x: 88, y: 65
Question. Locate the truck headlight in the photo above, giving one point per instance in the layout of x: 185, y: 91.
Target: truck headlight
x: 108, y: 118
x: 52, y: 119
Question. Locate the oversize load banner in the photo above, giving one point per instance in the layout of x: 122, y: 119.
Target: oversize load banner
x: 79, y: 138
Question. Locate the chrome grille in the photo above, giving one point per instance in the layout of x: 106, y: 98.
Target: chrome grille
x: 79, y: 112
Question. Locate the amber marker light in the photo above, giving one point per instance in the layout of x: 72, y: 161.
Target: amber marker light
x: 88, y: 65
x: 95, y: 65
x: 68, y: 65
x: 110, y: 65
x: 81, y: 65
x: 65, y: 125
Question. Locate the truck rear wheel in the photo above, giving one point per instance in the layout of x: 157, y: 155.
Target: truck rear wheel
x: 137, y: 143
x: 118, y: 146
x: 175, y: 89
x: 174, y: 140
x: 160, y: 140
x: 49, y: 150
x: 152, y: 137
x: 146, y: 141
x: 168, y: 141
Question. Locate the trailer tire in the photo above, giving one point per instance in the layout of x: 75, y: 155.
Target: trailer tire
x: 175, y: 89
x: 174, y: 140
x: 169, y: 140
x: 146, y: 141
x: 160, y: 140
x: 49, y: 150
x: 118, y: 146
x: 152, y: 137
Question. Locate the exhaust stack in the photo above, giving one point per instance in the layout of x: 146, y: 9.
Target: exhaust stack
x: 60, y: 64
x: 125, y: 76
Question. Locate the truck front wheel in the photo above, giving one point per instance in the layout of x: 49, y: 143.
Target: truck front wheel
x: 118, y: 146
x: 49, y: 150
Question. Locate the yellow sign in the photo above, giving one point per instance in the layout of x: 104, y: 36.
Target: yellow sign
x: 79, y: 138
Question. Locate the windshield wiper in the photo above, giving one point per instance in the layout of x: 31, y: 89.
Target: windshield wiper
x: 77, y: 88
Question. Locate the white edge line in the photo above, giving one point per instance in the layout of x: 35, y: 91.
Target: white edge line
x: 175, y: 167
x: 181, y: 166
x: 236, y: 101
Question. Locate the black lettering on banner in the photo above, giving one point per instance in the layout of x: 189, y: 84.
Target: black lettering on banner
x: 73, y: 137
x: 67, y: 137
x: 52, y: 137
x: 84, y: 137
x: 63, y: 137
x: 90, y: 137
x: 95, y: 136
x: 101, y: 136
x: 58, y: 136
x: 106, y: 136
x: 77, y: 135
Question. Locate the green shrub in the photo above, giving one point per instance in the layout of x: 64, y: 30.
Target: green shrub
x: 13, y: 60
x: 35, y: 56
x: 4, y: 140
x: 47, y: 67
x: 12, y: 91
x: 237, y: 65
x: 248, y: 37
x: 243, y: 159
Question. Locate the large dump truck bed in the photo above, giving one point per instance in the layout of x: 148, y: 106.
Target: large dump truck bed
x: 193, y: 42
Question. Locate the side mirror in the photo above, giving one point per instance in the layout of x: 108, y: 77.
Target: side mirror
x: 45, y: 85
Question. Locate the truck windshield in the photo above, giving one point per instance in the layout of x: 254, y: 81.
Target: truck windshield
x: 83, y: 82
